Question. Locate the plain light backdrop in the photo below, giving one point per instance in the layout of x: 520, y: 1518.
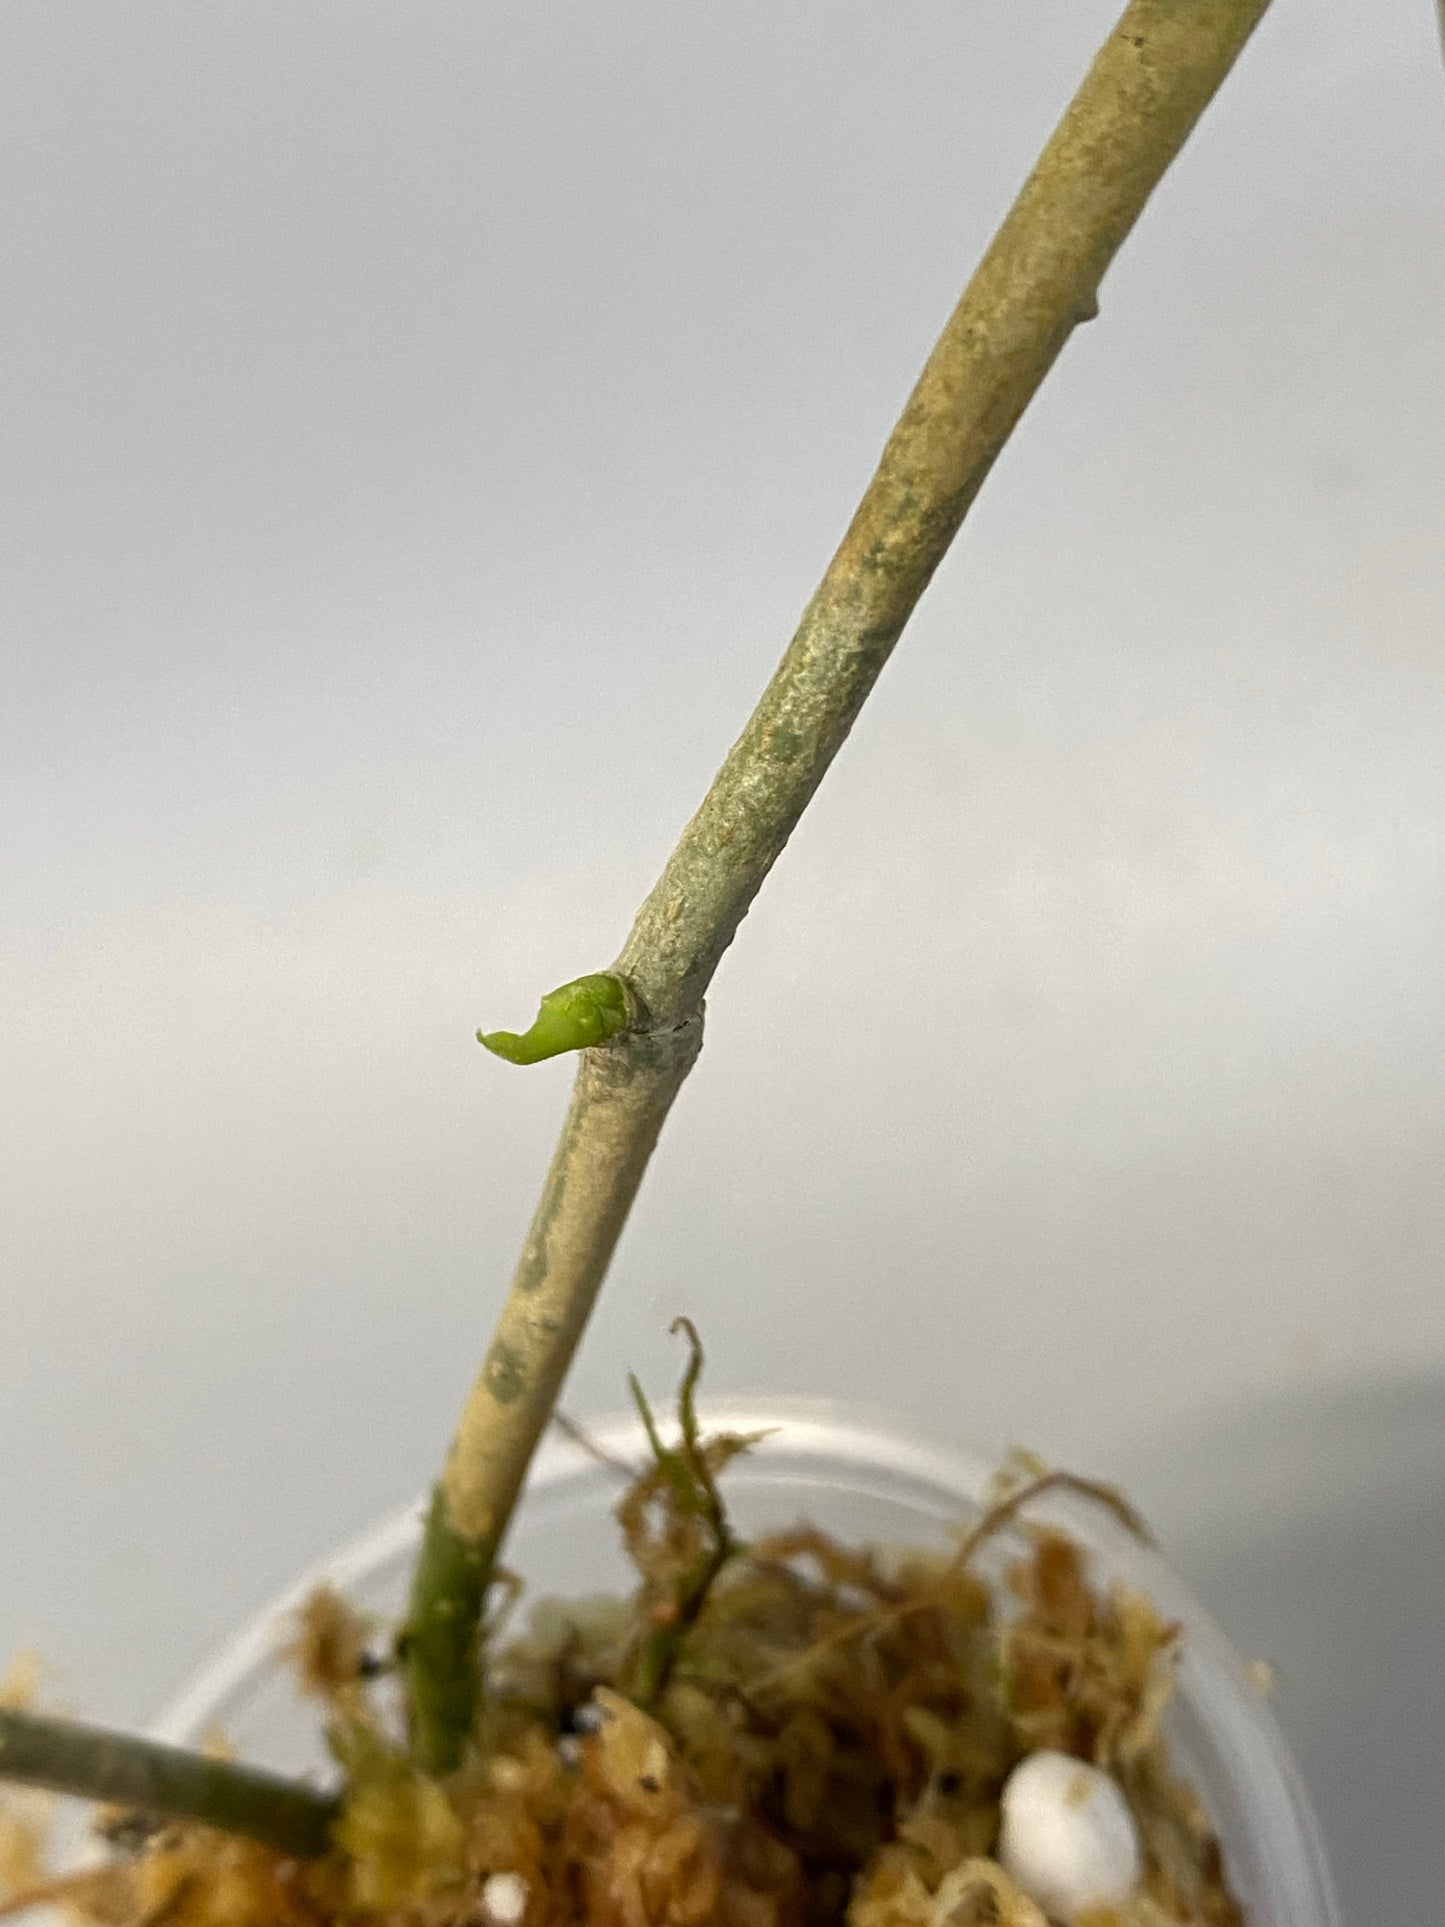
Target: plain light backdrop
x: 422, y: 424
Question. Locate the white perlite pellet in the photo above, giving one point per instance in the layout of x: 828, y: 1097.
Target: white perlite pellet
x: 1067, y: 1836
x: 504, y: 1899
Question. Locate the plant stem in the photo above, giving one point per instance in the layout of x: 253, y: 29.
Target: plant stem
x: 117, y: 1768
x: 1037, y: 282
x: 622, y: 1094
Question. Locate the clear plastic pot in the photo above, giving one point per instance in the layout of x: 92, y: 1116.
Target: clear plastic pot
x: 864, y: 1482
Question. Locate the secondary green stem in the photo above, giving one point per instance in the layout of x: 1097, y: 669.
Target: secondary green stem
x: 95, y: 1764
x: 1037, y: 282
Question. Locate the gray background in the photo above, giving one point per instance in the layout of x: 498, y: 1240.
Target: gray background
x: 422, y: 425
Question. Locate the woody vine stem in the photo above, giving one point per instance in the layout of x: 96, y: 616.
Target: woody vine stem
x: 1039, y: 279
x: 639, y: 1026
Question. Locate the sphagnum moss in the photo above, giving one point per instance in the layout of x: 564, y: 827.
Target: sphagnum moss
x: 791, y: 1732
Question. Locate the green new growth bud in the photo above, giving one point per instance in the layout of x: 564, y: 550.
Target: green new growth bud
x: 587, y: 1011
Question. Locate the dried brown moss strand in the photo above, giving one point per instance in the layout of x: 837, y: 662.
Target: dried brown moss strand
x: 1038, y: 280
